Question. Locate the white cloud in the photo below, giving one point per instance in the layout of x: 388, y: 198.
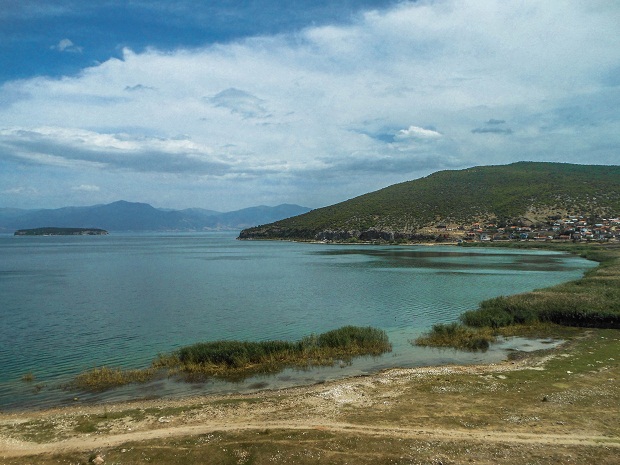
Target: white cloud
x: 66, y: 45
x: 283, y: 114
x: 414, y: 132
x: 80, y: 149
x: 87, y: 188
x: 20, y: 191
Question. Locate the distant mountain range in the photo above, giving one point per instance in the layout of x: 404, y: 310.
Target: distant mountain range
x: 131, y: 216
x: 523, y: 193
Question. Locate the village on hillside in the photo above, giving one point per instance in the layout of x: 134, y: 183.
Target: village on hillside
x: 574, y: 228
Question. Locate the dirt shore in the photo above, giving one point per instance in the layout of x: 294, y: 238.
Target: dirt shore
x: 553, y: 407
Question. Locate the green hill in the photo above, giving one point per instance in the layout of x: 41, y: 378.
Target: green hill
x: 524, y: 193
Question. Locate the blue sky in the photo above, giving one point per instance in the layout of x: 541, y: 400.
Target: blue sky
x: 229, y: 104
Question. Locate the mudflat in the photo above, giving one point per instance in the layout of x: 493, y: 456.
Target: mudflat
x: 556, y: 406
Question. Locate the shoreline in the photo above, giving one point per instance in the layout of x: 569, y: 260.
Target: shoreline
x: 456, y: 408
x: 79, y: 403
x: 388, y: 373
x: 339, y: 391
x: 292, y: 378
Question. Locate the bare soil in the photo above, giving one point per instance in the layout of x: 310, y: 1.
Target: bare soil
x: 551, y: 407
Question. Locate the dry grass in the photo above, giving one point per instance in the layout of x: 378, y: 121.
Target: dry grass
x: 104, y: 377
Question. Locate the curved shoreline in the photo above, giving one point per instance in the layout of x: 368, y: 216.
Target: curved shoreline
x: 449, y: 406
x: 339, y: 391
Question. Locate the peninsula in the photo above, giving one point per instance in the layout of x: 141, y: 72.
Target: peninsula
x: 61, y: 232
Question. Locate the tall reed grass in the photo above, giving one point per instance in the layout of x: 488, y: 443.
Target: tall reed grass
x: 458, y: 336
x: 231, y: 356
x: 239, y: 359
x: 102, y: 378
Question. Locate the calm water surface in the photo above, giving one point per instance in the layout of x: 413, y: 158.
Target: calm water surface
x: 68, y: 304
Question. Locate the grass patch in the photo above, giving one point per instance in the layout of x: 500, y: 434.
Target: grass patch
x: 458, y: 336
x: 38, y: 431
x: 86, y: 425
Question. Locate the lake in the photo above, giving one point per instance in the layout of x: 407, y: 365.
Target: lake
x: 70, y: 303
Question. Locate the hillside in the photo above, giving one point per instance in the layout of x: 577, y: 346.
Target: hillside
x: 523, y: 193
x: 133, y: 216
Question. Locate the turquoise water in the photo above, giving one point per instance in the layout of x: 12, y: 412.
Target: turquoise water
x: 68, y: 304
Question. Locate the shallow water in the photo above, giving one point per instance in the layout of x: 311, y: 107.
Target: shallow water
x: 68, y: 304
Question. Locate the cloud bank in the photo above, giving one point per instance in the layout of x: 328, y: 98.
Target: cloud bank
x: 325, y: 113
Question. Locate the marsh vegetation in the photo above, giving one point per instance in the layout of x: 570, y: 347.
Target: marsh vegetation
x: 101, y: 378
x: 236, y: 360
x: 591, y: 302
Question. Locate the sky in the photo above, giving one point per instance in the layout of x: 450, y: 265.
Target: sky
x: 235, y: 103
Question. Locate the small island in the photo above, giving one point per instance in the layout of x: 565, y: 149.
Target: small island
x: 61, y: 232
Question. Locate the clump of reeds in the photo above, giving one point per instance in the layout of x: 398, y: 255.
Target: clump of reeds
x: 235, y: 354
x: 233, y: 357
x: 103, y: 378
x: 593, y: 301
x: 589, y: 305
x: 239, y: 359
x: 348, y: 340
x: 457, y: 336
